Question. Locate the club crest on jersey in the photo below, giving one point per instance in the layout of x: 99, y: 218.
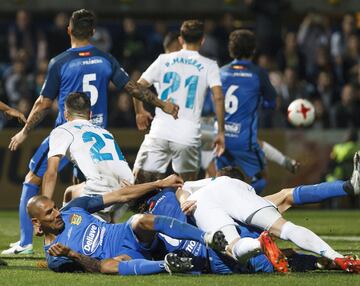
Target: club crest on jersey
x: 84, y: 54
x: 92, y: 238
x: 75, y: 219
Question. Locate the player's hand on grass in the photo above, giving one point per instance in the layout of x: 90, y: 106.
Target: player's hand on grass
x: 59, y: 250
x: 143, y: 120
x: 188, y: 207
x: 17, y: 140
x: 170, y: 108
x: 11, y: 112
x: 172, y: 181
x: 219, y: 144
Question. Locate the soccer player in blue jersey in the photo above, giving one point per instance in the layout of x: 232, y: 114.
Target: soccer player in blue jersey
x: 81, y: 68
x: 245, y: 86
x: 75, y: 228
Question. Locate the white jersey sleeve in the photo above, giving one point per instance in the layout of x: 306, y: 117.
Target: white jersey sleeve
x: 153, y: 72
x: 59, y: 142
x: 193, y: 186
x: 213, y: 76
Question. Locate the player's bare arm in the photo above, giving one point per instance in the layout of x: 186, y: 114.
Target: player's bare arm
x: 144, y: 94
x: 143, y: 118
x: 88, y: 264
x: 129, y: 193
x: 50, y: 177
x: 11, y: 112
x: 38, y: 112
x: 220, y: 111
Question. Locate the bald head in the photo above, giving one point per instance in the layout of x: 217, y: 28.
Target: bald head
x: 36, y: 204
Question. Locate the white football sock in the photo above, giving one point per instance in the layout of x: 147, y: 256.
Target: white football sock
x: 245, y: 248
x: 273, y: 154
x: 306, y: 239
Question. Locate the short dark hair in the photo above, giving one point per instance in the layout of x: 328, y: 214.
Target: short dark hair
x: 241, y: 44
x: 78, y: 103
x: 232, y: 172
x: 83, y: 24
x: 192, y: 31
x: 170, y: 38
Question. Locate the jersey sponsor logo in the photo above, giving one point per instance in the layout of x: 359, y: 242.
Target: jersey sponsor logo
x: 92, y: 62
x: 92, y: 238
x: 75, y: 219
x: 84, y: 54
x: 97, y: 119
x: 232, y: 128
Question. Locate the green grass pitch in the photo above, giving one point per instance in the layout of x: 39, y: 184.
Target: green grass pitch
x: 341, y: 228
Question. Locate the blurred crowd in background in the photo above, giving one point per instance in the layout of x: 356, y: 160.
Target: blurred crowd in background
x: 317, y: 58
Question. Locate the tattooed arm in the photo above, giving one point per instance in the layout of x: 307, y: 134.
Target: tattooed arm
x: 88, y: 264
x: 140, y: 92
x: 38, y: 112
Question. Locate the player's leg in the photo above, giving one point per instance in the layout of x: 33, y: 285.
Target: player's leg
x: 185, y: 160
x: 270, y: 219
x: 318, y: 192
x: 145, y: 227
x: 73, y: 192
x: 152, y: 160
x: 273, y: 154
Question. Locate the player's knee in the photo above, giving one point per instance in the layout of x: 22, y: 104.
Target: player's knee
x: 33, y: 179
x: 142, y: 222
x: 68, y: 194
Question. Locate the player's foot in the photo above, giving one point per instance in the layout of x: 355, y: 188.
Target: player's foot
x: 273, y: 253
x: 291, y: 165
x: 348, y: 264
x: 17, y: 249
x: 177, y: 264
x: 355, y: 177
x: 12, y: 244
x: 216, y: 240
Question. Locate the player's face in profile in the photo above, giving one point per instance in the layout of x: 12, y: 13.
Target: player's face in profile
x: 50, y: 218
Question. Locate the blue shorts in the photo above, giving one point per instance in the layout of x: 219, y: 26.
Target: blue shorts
x: 38, y: 162
x: 250, y: 161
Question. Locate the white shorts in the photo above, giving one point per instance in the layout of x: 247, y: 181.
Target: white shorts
x: 206, y: 158
x: 155, y: 155
x: 225, y: 200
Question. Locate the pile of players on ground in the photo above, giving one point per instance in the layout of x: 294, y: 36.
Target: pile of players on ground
x: 215, y: 225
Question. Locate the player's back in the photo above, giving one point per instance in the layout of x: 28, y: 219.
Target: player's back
x: 95, y: 151
x: 244, y: 85
x: 182, y: 77
x: 84, y: 69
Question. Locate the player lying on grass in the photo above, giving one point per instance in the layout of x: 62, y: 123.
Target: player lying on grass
x: 74, y: 227
x: 217, y: 203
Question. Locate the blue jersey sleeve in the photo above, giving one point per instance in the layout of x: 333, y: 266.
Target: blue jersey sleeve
x: 267, y: 90
x: 90, y: 204
x: 63, y: 264
x: 51, y: 84
x: 119, y: 76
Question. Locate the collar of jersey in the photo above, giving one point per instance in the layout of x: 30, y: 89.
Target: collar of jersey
x: 78, y: 120
x: 189, y: 51
x: 240, y: 62
x: 81, y: 48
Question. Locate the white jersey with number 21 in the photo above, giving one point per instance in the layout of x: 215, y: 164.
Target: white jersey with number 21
x: 184, y: 77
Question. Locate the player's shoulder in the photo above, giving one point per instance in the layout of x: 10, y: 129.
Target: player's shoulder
x: 208, y: 61
x: 64, y: 128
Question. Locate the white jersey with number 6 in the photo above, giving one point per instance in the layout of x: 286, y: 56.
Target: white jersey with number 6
x: 96, y: 153
x: 184, y: 77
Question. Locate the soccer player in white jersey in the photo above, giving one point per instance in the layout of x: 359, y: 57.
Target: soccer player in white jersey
x: 183, y: 77
x: 223, y: 200
x: 90, y: 147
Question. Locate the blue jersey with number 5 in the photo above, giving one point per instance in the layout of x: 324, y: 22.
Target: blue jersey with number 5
x: 84, y: 69
x: 245, y: 85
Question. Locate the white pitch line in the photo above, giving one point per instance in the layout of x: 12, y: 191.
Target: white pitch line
x: 345, y: 238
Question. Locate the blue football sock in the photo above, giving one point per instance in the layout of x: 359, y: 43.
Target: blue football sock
x: 26, y: 227
x: 140, y: 267
x: 318, y: 193
x: 177, y: 229
x: 259, y: 185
